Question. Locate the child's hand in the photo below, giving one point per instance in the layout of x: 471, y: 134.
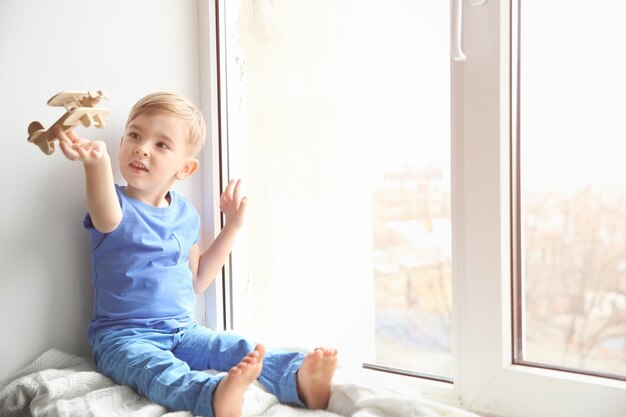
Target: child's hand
x: 76, y: 148
x: 233, y: 205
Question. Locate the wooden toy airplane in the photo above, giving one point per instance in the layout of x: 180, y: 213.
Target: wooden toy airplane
x: 80, y: 106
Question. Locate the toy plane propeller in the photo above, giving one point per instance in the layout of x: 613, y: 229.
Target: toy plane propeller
x: 80, y: 106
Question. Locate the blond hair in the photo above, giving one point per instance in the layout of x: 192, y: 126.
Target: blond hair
x: 180, y: 106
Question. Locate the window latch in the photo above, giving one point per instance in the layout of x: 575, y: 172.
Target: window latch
x: 456, y: 24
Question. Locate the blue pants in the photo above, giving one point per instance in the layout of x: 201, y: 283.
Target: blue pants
x: 165, y: 365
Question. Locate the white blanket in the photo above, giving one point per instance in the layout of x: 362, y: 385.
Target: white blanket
x: 58, y: 384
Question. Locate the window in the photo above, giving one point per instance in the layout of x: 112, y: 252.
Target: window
x: 410, y: 191
x: 572, y: 190
x: 349, y: 225
x: 302, y: 274
x: 293, y: 113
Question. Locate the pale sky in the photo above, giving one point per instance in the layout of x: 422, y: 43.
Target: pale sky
x: 573, y: 91
x: 408, y: 77
x: 573, y: 88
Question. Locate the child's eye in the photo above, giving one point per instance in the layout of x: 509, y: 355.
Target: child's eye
x: 162, y: 145
x: 133, y: 135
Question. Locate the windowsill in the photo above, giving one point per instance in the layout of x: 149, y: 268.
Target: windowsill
x: 406, y: 386
x: 445, y: 393
x: 521, y: 371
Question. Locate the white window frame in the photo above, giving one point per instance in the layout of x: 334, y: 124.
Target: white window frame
x: 210, y: 63
x: 483, y: 126
x: 485, y: 379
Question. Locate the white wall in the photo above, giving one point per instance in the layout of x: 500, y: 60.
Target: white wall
x: 127, y: 48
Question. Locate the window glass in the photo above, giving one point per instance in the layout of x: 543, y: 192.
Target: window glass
x: 573, y: 186
x: 408, y: 79
x: 338, y: 119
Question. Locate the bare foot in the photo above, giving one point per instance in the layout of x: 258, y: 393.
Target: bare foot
x: 315, y: 377
x: 228, y: 396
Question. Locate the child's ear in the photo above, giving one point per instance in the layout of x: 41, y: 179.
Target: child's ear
x: 189, y: 168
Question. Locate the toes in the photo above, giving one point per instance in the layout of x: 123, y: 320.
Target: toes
x: 324, y: 355
x: 240, y: 370
x: 235, y: 371
x: 260, y: 349
x: 326, y: 351
x: 249, y: 359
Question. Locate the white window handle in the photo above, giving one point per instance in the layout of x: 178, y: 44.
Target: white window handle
x: 456, y: 24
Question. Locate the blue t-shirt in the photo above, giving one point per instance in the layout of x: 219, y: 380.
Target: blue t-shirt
x: 141, y: 276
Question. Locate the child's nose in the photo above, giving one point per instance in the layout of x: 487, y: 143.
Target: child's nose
x: 140, y: 150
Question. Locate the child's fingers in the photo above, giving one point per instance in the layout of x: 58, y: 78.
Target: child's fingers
x: 70, y: 134
x: 223, y: 202
x: 60, y: 134
x: 67, y: 149
x: 237, y: 193
x: 68, y: 138
x: 232, y: 197
x: 227, y: 195
x: 88, y: 152
x: 82, y: 152
x: 243, y: 205
x: 75, y: 138
x: 229, y: 189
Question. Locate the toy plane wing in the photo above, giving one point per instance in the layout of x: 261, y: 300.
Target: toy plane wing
x: 87, y: 116
x: 75, y: 99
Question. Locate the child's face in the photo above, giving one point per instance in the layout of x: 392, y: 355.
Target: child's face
x: 154, y: 153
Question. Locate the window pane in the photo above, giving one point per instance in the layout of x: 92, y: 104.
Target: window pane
x: 573, y: 192
x: 338, y: 117
x: 408, y: 79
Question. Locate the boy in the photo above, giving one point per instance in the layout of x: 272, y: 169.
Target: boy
x: 147, y: 266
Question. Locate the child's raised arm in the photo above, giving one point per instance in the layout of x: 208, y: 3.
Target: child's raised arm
x: 206, y: 265
x: 102, y: 203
